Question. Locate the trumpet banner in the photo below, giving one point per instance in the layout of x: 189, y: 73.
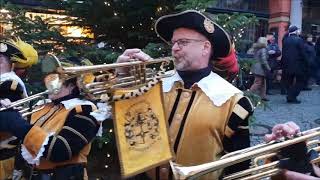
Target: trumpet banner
x: 141, y: 131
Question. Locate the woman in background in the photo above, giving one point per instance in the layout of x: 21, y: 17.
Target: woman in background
x: 260, y: 68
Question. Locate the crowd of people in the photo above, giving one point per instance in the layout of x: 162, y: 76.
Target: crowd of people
x: 207, y: 116
x: 298, y: 62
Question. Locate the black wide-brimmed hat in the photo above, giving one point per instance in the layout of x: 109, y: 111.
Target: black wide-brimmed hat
x: 200, y: 22
x: 8, y: 49
x: 22, y: 54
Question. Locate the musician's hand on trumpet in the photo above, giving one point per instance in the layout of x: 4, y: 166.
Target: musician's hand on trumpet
x: 288, y: 130
x: 133, y: 54
x: 128, y: 55
x: 5, y: 103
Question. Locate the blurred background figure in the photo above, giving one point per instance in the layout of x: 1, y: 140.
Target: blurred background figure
x: 311, y: 56
x: 316, y: 72
x: 283, y: 81
x: 261, y: 68
x: 274, y: 52
x: 294, y: 64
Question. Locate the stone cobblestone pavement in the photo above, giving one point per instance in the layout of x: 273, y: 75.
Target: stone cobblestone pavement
x: 306, y: 114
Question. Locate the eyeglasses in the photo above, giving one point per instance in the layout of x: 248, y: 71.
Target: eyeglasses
x: 184, y: 42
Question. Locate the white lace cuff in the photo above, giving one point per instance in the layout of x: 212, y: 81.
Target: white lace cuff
x: 35, y: 159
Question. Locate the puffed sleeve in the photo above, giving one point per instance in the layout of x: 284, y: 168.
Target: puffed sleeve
x: 79, y: 130
x: 237, y: 131
x: 11, y: 89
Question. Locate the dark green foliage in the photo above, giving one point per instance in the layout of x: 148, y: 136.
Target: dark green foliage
x: 235, y: 24
x: 195, y: 4
x: 120, y: 22
x: 35, y: 31
x: 34, y: 80
x: 107, y: 135
x: 157, y: 49
x: 246, y: 63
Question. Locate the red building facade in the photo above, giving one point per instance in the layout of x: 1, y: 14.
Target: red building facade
x: 279, y: 17
x: 305, y: 14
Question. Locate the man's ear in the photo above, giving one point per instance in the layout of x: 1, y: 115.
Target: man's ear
x: 207, y: 48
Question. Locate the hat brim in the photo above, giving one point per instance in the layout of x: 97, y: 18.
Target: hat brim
x: 49, y: 64
x: 192, y: 19
x: 12, y: 51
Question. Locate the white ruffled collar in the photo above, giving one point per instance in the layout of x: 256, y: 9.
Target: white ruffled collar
x: 215, y: 87
x: 71, y: 103
x: 102, y: 112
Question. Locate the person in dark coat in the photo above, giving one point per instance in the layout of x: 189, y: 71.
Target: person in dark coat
x: 316, y: 69
x: 311, y: 55
x: 295, y: 64
x: 283, y: 81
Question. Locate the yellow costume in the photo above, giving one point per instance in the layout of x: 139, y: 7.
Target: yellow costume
x: 60, y: 136
x: 199, y: 120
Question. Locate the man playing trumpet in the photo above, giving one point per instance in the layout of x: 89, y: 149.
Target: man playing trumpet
x: 14, y: 54
x: 207, y: 116
x: 56, y: 141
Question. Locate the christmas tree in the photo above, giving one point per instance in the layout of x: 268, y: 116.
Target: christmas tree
x: 119, y: 24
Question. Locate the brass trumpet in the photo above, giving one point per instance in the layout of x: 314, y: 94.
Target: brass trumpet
x: 98, y: 81
x: 22, y: 104
x: 255, y: 153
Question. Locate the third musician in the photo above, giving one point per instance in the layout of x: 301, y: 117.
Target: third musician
x: 57, y: 140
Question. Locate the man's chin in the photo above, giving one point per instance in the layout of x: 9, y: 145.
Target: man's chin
x: 179, y: 67
x: 52, y: 96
